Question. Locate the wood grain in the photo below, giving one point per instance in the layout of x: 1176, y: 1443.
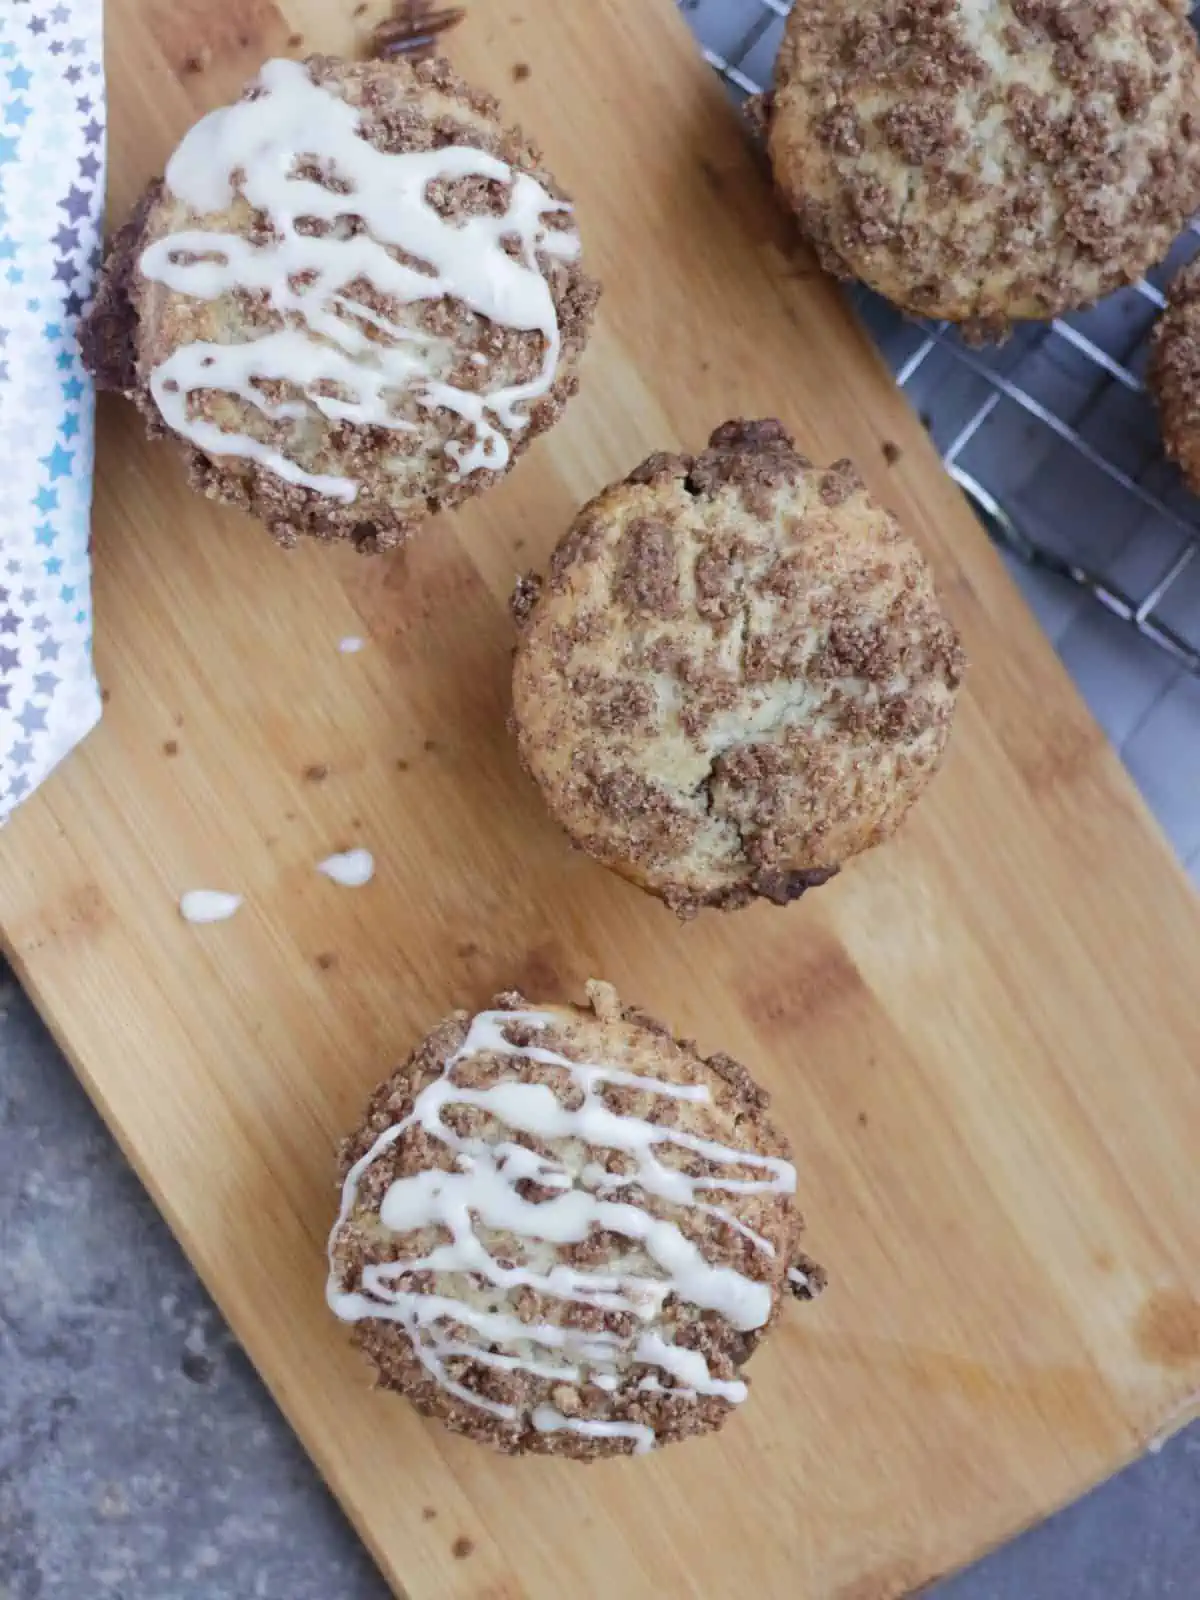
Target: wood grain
x: 984, y: 1038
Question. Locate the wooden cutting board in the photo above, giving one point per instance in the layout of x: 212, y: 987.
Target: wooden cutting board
x: 984, y: 1039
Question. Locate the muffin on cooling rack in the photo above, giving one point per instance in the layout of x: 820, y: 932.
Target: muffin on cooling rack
x: 988, y: 162
x: 1173, y: 373
x: 352, y: 301
x: 737, y: 674
x: 562, y: 1231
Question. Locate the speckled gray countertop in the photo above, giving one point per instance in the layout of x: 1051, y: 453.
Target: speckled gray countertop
x: 142, y: 1459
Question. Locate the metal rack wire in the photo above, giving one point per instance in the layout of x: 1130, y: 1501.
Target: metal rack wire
x: 1051, y: 434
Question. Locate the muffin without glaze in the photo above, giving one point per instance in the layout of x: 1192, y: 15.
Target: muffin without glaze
x: 988, y: 160
x: 535, y: 1245
x: 737, y: 674
x: 353, y: 301
x: 1173, y: 373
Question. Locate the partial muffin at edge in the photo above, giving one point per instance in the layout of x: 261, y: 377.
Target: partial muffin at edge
x: 465, y: 377
x: 1173, y: 373
x: 533, y: 1245
x: 737, y: 674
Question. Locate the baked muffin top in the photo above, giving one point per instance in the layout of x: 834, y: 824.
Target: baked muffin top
x: 562, y: 1231
x: 354, y: 297
x: 988, y: 159
x: 737, y: 674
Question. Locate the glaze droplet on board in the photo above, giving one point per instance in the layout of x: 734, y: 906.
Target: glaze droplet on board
x: 351, y: 644
x: 350, y: 868
x: 484, y: 1189
x: 208, y: 905
x: 329, y: 347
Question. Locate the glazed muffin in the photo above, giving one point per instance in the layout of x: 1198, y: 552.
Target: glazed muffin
x: 737, y: 674
x: 353, y: 300
x: 1173, y: 373
x: 564, y: 1232
x: 987, y: 160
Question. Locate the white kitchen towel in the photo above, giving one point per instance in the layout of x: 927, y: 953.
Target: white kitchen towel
x: 51, y: 194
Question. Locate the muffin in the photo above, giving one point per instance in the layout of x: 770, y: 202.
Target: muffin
x: 564, y: 1232
x: 1173, y: 373
x: 353, y: 300
x: 987, y: 162
x: 737, y: 674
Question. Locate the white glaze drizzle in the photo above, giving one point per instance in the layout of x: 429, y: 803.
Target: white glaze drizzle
x: 351, y: 868
x: 208, y: 905
x: 351, y: 644
x: 324, y: 341
x: 483, y: 1187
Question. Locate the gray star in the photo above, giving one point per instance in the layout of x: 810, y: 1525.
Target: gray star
x: 9, y: 622
x: 93, y: 132
x: 32, y: 719
x: 48, y: 650
x: 27, y: 597
x: 3, y: 595
x: 18, y: 787
x: 10, y: 659
x: 5, y: 691
x: 41, y: 624
x: 77, y: 204
x: 60, y: 14
x: 45, y: 683
x: 21, y: 754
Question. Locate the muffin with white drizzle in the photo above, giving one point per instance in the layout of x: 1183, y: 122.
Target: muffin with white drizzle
x: 353, y: 300
x: 563, y: 1231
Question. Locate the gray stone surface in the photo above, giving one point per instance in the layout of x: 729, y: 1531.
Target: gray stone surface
x: 141, y: 1459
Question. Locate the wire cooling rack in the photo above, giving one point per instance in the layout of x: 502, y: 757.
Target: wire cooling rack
x: 1051, y: 435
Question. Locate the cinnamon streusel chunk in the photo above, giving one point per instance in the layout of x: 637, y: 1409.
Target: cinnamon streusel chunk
x: 736, y: 675
x: 986, y: 160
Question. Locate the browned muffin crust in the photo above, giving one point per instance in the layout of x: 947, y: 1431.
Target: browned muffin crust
x: 643, y: 1396
x: 737, y: 674
x: 135, y: 324
x: 1173, y: 373
x: 987, y: 160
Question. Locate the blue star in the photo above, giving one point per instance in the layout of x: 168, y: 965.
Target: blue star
x: 63, y: 362
x: 66, y: 594
x: 48, y: 650
x: 46, y: 500
x: 72, y: 389
x: 16, y: 113
x: 10, y: 659
x: 20, y: 78
x: 70, y: 423
x: 15, y: 275
x: 21, y: 754
x: 19, y: 786
x: 8, y: 148
x: 9, y: 622
x: 8, y: 249
x: 33, y: 305
x: 60, y: 14
x: 5, y: 691
x: 81, y: 618
x: 58, y: 463
x: 66, y: 239
x: 7, y: 52
x: 52, y: 331
x: 45, y: 683
x: 32, y: 719
x: 44, y: 533
x: 53, y: 567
